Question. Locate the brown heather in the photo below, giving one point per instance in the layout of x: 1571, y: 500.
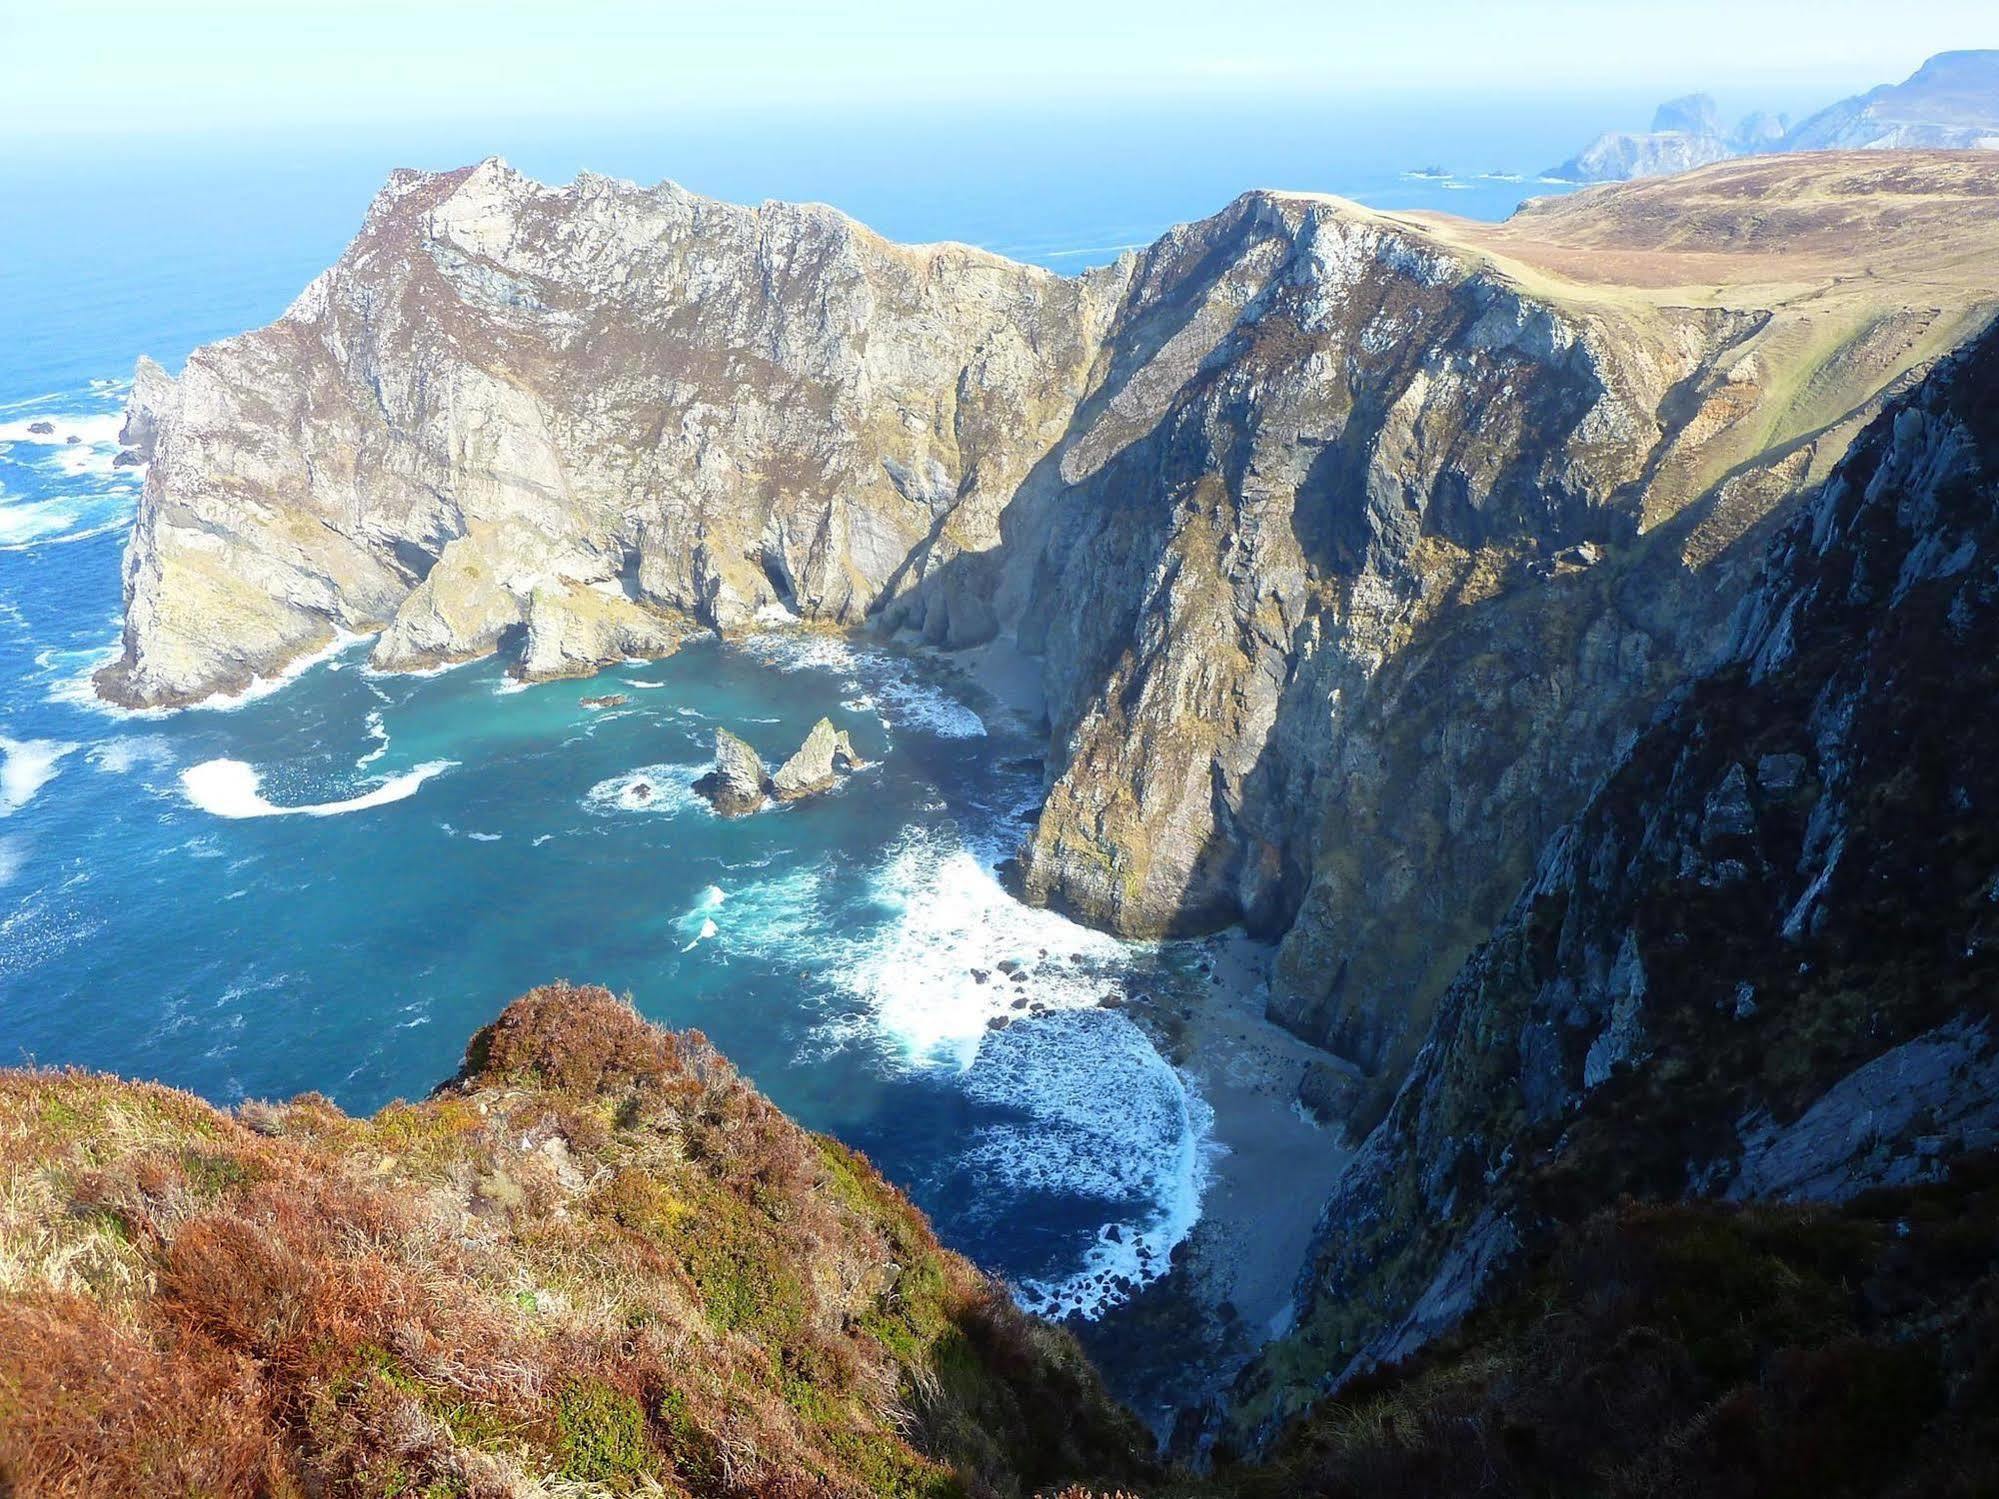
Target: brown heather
x: 596, y: 1262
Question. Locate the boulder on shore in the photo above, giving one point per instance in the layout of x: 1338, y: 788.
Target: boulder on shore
x: 737, y: 785
x: 815, y: 767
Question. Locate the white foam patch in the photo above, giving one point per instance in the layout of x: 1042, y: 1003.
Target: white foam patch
x: 122, y: 756
x: 26, y: 766
x: 1096, y: 1115
x: 62, y: 519
x: 229, y: 788
x: 1107, y: 1120
x: 13, y: 856
x: 663, y: 790
x: 378, y: 733
x: 934, y: 981
x: 73, y: 671
x: 95, y: 450
x: 885, y: 681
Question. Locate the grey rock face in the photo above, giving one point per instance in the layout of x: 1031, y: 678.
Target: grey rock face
x: 816, y: 764
x: 1651, y: 1018
x: 503, y: 387
x: 1898, y: 1120
x: 1951, y: 101
x: 738, y: 785
x: 1620, y: 155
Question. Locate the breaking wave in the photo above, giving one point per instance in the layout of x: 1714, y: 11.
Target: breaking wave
x: 27, y: 765
x: 229, y: 788
x: 663, y: 790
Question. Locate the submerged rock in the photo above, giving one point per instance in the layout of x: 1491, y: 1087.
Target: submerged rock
x: 825, y: 752
x: 738, y: 784
x: 42, y: 429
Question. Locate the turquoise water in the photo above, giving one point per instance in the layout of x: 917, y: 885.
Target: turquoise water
x: 167, y: 910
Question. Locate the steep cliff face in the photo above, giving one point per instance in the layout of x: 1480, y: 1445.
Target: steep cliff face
x: 1422, y: 518
x: 1350, y: 544
x: 1761, y: 962
x: 508, y: 405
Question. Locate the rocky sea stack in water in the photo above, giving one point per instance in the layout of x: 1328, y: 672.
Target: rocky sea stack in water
x: 739, y: 784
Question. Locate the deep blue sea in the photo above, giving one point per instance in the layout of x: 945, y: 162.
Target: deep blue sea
x: 331, y: 885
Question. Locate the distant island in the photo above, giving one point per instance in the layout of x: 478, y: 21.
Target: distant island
x: 1951, y: 102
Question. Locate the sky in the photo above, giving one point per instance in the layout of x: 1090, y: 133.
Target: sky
x: 157, y: 67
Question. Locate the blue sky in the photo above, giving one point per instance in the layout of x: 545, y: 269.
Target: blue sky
x: 120, y: 66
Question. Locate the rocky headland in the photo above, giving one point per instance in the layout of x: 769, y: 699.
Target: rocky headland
x: 1950, y: 103
x: 1347, y: 547
x: 1568, y: 639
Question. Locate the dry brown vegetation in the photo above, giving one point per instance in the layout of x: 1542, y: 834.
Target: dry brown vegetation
x: 597, y: 1262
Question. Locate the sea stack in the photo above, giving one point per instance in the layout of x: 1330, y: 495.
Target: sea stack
x: 736, y: 786
x: 825, y: 752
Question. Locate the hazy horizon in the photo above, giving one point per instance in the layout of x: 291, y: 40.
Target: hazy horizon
x: 224, y: 65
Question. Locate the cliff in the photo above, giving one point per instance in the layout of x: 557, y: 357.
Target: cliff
x: 595, y: 1262
x: 1686, y: 133
x: 1760, y: 964
x: 1950, y: 103
x: 1350, y: 544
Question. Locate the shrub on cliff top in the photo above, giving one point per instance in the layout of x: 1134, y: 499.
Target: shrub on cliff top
x: 596, y: 1262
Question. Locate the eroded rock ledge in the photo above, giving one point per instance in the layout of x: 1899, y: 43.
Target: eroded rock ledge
x: 1351, y: 545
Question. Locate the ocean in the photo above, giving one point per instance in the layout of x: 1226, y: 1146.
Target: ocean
x: 330, y: 885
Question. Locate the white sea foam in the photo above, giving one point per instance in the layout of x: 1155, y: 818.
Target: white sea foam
x: 27, y: 765
x: 933, y: 981
x: 13, y: 855
x: 94, y: 452
x: 1098, y: 1115
x: 664, y: 790
x: 61, y: 519
x: 378, y: 733
x: 642, y: 686
x: 126, y: 754
x: 1107, y: 1120
x: 884, y: 681
x: 229, y: 788
x: 75, y: 687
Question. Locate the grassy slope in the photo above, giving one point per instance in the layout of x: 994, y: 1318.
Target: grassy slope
x: 597, y: 1262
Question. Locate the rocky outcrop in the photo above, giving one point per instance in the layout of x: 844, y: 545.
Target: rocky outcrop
x: 1762, y: 961
x: 573, y: 630
x: 738, y: 785
x: 1951, y: 102
x: 816, y: 765
x: 1686, y: 133
x: 1350, y: 545
x: 503, y: 385
x: 594, y: 1262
